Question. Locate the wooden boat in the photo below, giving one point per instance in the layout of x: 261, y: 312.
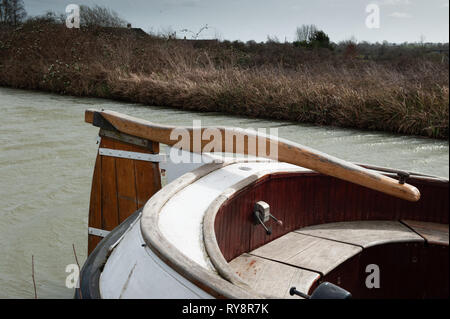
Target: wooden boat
x: 307, y: 225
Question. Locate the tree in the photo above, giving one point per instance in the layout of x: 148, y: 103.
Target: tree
x: 18, y: 13
x: 12, y: 12
x: 305, y: 33
x: 4, y: 11
x: 101, y: 17
x: 308, y: 36
x: 272, y: 39
x: 48, y: 17
x: 321, y: 40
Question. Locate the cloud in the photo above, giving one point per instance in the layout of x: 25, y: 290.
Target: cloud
x: 395, y: 2
x: 190, y: 3
x: 400, y: 15
x: 182, y: 3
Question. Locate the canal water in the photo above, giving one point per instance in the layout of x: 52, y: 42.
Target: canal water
x: 47, y: 156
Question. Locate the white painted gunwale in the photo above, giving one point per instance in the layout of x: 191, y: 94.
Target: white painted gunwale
x: 134, y: 271
x: 189, y: 257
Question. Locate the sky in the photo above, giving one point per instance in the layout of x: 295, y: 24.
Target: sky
x: 400, y: 20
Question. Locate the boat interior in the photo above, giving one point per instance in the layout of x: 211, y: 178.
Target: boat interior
x: 278, y: 227
x: 334, y: 231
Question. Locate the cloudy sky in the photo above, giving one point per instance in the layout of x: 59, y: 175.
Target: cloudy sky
x: 400, y: 20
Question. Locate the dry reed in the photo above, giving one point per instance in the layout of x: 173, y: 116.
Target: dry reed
x: 408, y: 95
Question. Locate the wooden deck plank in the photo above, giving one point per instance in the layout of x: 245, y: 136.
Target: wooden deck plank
x: 285, y: 247
x: 272, y: 279
x: 432, y: 232
x: 363, y: 233
x: 308, y: 252
x: 324, y: 255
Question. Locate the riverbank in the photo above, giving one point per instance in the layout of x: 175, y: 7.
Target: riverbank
x: 406, y: 94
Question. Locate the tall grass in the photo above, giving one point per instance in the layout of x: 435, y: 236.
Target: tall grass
x: 408, y: 95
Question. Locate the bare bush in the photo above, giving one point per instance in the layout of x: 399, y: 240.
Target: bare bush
x: 100, y: 17
x: 46, y: 18
x: 404, y: 91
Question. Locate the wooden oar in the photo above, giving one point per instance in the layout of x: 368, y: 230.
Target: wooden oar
x: 288, y: 152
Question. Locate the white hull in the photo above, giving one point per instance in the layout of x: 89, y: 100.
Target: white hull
x: 133, y: 270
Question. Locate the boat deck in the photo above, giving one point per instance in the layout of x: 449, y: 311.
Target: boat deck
x: 305, y: 257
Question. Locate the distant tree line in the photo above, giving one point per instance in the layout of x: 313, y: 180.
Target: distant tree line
x: 307, y: 37
x: 12, y: 12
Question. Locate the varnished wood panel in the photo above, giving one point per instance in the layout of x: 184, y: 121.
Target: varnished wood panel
x: 302, y: 200
x: 148, y: 181
x: 95, y: 207
x: 126, y: 188
x: 406, y: 271
x: 120, y: 186
x: 110, y: 208
x: 237, y: 225
x: 436, y: 259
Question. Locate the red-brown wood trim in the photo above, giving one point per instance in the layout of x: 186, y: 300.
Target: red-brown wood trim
x: 407, y: 270
x: 305, y: 199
